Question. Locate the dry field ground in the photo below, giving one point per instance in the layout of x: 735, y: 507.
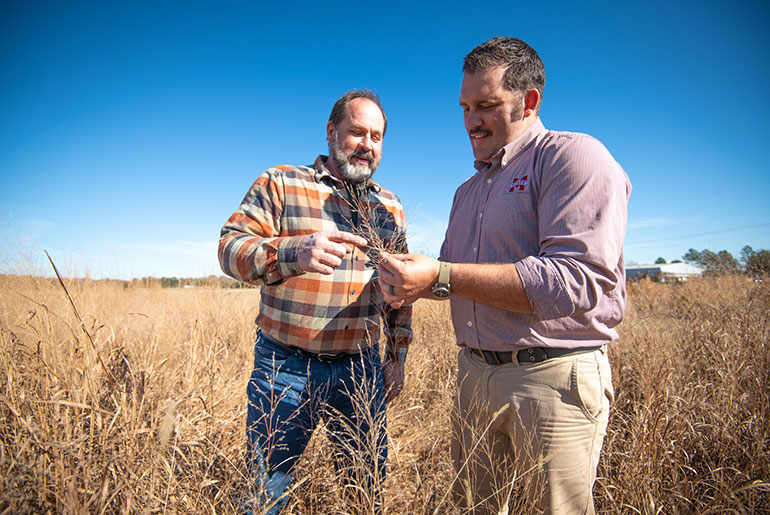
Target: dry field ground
x: 689, y: 431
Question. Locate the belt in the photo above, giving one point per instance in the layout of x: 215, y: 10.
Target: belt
x: 529, y: 355
x: 323, y: 357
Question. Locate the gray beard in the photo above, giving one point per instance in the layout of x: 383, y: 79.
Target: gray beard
x: 355, y: 173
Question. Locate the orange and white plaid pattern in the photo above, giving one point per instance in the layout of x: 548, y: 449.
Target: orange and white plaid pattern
x: 320, y: 313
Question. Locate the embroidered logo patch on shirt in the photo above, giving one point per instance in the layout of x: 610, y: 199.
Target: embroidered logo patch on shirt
x: 519, y: 184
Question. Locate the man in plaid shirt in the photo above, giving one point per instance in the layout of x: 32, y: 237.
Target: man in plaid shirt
x: 309, y: 236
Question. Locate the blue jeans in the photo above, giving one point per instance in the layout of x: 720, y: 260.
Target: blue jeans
x: 289, y: 393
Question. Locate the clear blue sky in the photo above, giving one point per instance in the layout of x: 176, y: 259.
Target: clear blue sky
x: 130, y: 132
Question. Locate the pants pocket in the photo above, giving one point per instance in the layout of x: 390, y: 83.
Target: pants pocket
x: 588, y: 383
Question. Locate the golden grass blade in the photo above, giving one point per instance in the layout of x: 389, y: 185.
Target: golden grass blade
x: 80, y: 320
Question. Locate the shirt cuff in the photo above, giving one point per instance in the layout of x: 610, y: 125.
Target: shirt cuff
x: 396, y: 353
x: 545, y: 288
x: 288, y: 249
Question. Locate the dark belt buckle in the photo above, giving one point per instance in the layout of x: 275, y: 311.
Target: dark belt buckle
x: 330, y: 358
x: 532, y: 357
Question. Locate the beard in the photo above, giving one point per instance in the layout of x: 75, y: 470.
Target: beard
x: 355, y: 173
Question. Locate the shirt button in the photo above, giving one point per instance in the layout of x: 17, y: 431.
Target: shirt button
x: 489, y: 181
x: 470, y: 324
x: 475, y: 249
x: 353, y: 292
x: 480, y: 214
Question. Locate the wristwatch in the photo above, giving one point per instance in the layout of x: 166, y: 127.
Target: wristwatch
x: 442, y: 290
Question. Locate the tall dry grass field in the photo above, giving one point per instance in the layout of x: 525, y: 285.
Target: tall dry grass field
x: 160, y: 427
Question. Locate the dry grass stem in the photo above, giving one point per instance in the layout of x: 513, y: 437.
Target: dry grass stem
x: 80, y: 320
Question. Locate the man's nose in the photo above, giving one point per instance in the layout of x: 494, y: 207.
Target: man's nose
x: 367, y: 143
x: 472, y: 120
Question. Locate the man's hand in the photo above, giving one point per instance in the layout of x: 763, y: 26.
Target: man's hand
x: 323, y: 251
x: 404, y: 278
x: 394, y: 379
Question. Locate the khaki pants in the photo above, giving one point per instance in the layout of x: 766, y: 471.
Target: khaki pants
x: 527, y: 437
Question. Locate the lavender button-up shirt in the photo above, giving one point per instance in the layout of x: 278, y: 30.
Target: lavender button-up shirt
x: 554, y: 204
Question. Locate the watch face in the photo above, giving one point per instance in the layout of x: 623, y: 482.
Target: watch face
x: 441, y: 292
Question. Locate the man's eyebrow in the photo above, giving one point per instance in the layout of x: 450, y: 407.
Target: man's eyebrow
x: 491, y: 100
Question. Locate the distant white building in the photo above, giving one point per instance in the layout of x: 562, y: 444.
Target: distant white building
x: 665, y: 272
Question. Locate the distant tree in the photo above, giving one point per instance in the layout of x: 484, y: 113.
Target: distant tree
x: 709, y: 259
x: 693, y: 257
x: 747, y: 253
x: 146, y: 282
x: 726, y: 262
x: 713, y: 262
x: 660, y: 261
x: 676, y: 261
x: 169, y: 282
x: 759, y: 263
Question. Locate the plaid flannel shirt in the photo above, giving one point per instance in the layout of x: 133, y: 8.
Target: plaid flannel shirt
x: 320, y: 313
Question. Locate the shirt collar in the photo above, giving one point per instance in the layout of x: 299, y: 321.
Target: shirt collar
x: 506, y: 154
x: 322, y: 172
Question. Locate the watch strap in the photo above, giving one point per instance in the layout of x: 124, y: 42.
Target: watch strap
x: 443, y: 273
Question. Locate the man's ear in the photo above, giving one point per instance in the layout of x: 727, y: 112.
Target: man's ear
x: 329, y: 132
x: 531, y: 102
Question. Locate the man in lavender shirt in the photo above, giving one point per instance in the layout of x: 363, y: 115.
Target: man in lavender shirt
x: 533, y: 266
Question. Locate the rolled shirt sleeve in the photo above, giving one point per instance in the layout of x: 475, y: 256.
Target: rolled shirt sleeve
x: 582, y: 213
x: 250, y: 248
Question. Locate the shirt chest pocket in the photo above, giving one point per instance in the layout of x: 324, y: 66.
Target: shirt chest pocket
x: 313, y: 215
x: 510, y: 209
x: 383, y: 223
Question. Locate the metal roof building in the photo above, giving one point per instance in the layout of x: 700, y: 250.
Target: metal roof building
x: 665, y: 271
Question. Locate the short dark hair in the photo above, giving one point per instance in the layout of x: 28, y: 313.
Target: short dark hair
x: 338, y: 111
x: 524, y: 69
